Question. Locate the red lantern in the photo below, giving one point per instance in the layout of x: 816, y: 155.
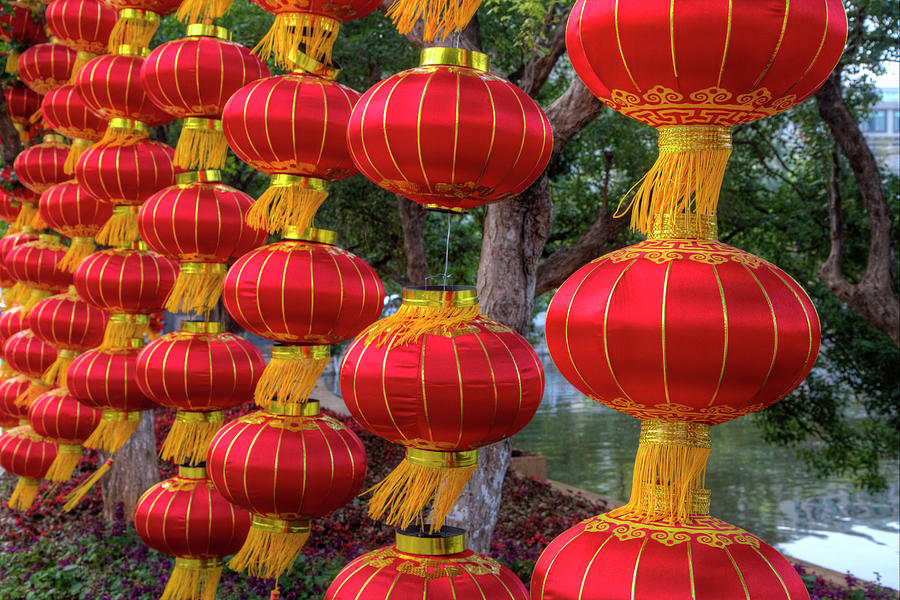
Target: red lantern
x: 201, y: 224
x: 46, y: 66
x: 42, y: 166
x: 82, y: 25
x: 68, y: 324
x: 438, y: 567
x: 199, y: 371
x: 325, y: 471
x: 36, y: 265
x: 331, y: 296
x: 13, y: 291
x: 448, y: 134
x: 192, y: 78
x: 724, y: 64
x: 30, y: 356
x: 59, y: 417
x: 124, y: 175
x: 138, y: 21
x: 442, y: 380
x: 65, y: 112
x: 23, y: 23
x: 70, y: 210
x: 11, y: 321
x: 10, y: 390
x: 27, y: 455
x: 21, y: 104
x: 294, y: 128
x: 703, y: 559
x: 132, y: 285
x: 309, y: 24
x: 186, y: 517
x: 9, y: 209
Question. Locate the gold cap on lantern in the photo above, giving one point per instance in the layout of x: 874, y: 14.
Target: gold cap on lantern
x: 446, y: 541
x: 456, y: 57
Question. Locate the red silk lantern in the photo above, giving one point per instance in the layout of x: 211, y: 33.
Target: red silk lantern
x: 65, y: 112
x: 13, y: 291
x: 70, y: 325
x: 41, y: 166
x: 192, y: 78
x: 124, y: 175
x: 23, y: 23
x: 442, y: 380
x: 309, y: 24
x: 410, y: 137
x: 36, y: 265
x: 44, y: 67
x: 21, y: 104
x: 10, y: 390
x: 199, y: 371
x: 201, y: 224
x: 69, y: 209
x: 11, y: 321
x: 59, y: 417
x: 82, y: 25
x: 748, y: 63
x: 292, y: 127
x: 25, y: 454
x: 9, y: 209
x: 703, y: 559
x: 131, y: 285
x: 325, y: 471
x: 186, y: 517
x: 29, y: 355
x: 138, y: 21
x: 438, y: 567
x: 331, y: 296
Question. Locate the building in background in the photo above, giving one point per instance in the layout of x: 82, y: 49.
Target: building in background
x: 882, y: 129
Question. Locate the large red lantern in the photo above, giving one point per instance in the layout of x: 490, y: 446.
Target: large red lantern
x: 21, y: 104
x: 42, y: 166
x: 82, y: 25
x: 294, y: 128
x: 66, y: 113
x: 22, y: 22
x: 326, y: 470
x: 192, y: 78
x: 201, y: 223
x: 27, y: 455
x: 438, y: 567
x: 69, y: 209
x: 36, y: 266
x: 124, y: 175
x: 59, y: 417
x: 724, y: 64
x: 198, y: 371
x: 701, y: 559
x: 449, y: 134
x: 10, y: 390
x: 131, y: 285
x: 186, y: 517
x: 70, y: 325
x: 44, y: 67
x: 330, y: 297
x: 442, y: 380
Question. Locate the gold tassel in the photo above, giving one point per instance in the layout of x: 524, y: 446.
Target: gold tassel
x: 440, y: 17
x: 12, y: 63
x: 291, y: 374
x: 292, y: 30
x: 85, y: 486
x: 424, y: 476
x: 670, y: 463
x: 58, y: 371
x: 271, y: 547
x: 24, y: 134
x: 12, y: 294
x: 38, y: 223
x: 81, y: 248
x: 201, y: 145
x: 290, y: 201
x: 202, y: 11
x: 33, y: 298
x: 78, y: 147
x: 424, y: 312
x: 190, y: 436
x: 81, y: 58
x: 6, y: 371
x: 135, y: 27
x: 686, y: 178
x: 193, y: 579
x: 62, y: 467
x: 31, y: 393
x: 114, y: 430
x: 122, y: 328
x: 26, y: 215
x: 197, y: 288
x: 24, y: 494
x: 121, y: 230
x: 124, y: 132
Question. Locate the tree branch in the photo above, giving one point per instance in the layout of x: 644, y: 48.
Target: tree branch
x: 761, y: 155
x: 571, y: 113
x: 532, y: 76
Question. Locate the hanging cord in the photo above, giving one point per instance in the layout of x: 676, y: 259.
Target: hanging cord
x: 445, y: 276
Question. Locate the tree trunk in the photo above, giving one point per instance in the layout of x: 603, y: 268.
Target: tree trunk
x: 12, y: 145
x: 412, y: 221
x: 133, y: 472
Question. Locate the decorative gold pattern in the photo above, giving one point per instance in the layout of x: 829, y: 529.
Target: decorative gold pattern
x: 711, y: 415
x: 705, y: 530
x: 663, y: 251
x: 431, y: 568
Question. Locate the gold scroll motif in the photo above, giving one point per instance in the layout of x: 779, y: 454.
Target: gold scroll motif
x: 704, y: 529
x: 429, y: 568
x: 710, y: 252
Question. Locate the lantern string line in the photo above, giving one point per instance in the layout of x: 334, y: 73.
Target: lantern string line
x: 445, y: 275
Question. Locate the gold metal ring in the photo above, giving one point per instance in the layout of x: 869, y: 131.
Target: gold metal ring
x: 442, y: 460
x: 456, y: 57
x: 202, y: 326
x: 439, y: 296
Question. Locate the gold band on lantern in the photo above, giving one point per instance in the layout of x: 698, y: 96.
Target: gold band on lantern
x: 136, y: 342
x: 440, y: 297
x: 82, y: 241
x: 49, y: 237
x: 124, y: 209
x: 30, y: 481
x: 698, y: 501
x: 197, y: 176
x: 310, y: 234
x: 304, y: 63
x: 202, y: 123
x: 280, y: 526
x: 456, y: 210
x: 120, y: 415
x: 307, y: 409
x: 430, y: 545
x: 192, y: 472
x: 196, y: 267
x: 442, y: 460
x: 67, y: 353
x: 456, y: 57
x: 54, y: 138
x: 694, y: 138
x: 137, y: 13
x: 287, y: 180
x: 69, y: 449
x: 202, y: 326
x: 24, y: 421
x: 133, y: 124
x: 299, y: 352
x: 663, y: 432
x: 20, y: 127
x: 190, y: 416
x: 139, y: 319
x: 83, y: 57
x: 684, y: 226
x: 81, y: 143
x: 198, y: 564
x: 202, y: 30
x: 129, y: 50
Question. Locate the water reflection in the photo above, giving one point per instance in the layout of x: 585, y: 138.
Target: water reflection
x: 764, y: 489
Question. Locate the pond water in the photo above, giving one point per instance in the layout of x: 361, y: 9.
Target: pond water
x: 764, y: 489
